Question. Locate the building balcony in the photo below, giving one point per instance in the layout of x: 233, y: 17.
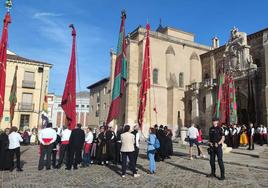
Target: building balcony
x: 26, y: 107
x: 28, y: 84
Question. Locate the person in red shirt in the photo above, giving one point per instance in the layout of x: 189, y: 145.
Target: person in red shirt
x: 200, y: 141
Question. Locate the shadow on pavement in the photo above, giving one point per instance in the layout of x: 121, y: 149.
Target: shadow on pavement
x: 187, y: 168
x: 247, y: 154
x: 180, y: 154
x: 142, y: 168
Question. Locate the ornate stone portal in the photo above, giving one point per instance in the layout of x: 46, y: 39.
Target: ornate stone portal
x: 237, y: 59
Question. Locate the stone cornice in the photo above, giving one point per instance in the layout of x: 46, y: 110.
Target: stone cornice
x: 164, y: 37
x: 19, y: 59
x: 28, y: 63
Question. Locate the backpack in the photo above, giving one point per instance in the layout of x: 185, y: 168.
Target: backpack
x: 156, y: 143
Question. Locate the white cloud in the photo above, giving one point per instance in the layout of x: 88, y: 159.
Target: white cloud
x: 45, y: 14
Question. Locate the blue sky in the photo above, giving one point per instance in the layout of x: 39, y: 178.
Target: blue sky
x: 39, y: 28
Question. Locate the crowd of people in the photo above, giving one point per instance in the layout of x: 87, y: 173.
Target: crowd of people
x: 101, y: 146
x: 242, y: 136
x: 79, y: 148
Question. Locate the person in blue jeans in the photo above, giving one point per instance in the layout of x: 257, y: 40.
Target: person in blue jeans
x: 151, y: 149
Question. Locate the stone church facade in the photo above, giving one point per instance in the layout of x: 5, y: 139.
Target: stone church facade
x: 175, y: 63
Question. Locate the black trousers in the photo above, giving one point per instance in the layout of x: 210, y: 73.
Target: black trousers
x: 117, y: 152
x: 16, y: 152
x: 75, y: 157
x: 251, y: 143
x: 130, y: 156
x: 136, y: 154
x: 54, y: 158
x: 111, y: 152
x: 213, y: 153
x: 46, y: 151
x: 64, y: 149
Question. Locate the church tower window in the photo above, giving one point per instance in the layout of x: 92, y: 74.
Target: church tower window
x: 155, y: 76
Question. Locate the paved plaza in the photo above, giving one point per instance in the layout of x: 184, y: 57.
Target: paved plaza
x: 243, y: 169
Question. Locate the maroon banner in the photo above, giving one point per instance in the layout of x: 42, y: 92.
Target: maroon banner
x: 68, y: 102
x: 145, y: 79
x: 3, y: 62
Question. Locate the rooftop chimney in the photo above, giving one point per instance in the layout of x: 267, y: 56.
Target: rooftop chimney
x: 215, y: 42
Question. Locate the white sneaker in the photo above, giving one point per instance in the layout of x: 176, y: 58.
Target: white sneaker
x: 204, y: 156
x: 198, y: 156
x: 136, y: 175
x: 123, y: 176
x: 191, y: 158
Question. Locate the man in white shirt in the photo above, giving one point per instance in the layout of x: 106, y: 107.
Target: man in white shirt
x: 87, y: 147
x: 47, y: 137
x: 14, y: 147
x: 192, y: 134
x: 65, y: 136
x: 250, y: 133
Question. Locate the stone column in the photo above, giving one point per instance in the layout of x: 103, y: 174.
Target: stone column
x: 209, y: 108
x: 195, y: 106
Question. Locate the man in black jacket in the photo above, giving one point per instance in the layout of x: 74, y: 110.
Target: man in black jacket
x: 76, y: 144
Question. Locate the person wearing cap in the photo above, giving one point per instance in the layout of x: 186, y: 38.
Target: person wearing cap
x: 216, y: 140
x: 47, y: 137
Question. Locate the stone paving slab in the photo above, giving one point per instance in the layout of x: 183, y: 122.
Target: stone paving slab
x: 177, y: 172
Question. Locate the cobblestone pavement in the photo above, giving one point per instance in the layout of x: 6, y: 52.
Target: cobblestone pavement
x: 178, y: 171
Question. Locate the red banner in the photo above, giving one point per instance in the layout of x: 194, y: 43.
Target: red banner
x: 68, y: 102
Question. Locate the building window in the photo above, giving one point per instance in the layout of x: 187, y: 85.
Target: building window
x: 91, y: 109
x: 155, y: 76
x: 28, y: 80
x: 181, y: 80
x: 29, y: 75
x: 87, y: 106
x: 98, y: 97
x: 82, y: 106
x: 77, y: 106
x: 104, y: 90
x: 59, y: 105
x: 26, y: 102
